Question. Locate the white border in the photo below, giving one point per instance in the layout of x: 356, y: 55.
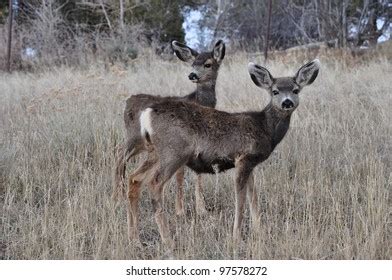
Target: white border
x: 297, y: 269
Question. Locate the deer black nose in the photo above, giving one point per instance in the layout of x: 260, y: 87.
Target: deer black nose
x: 287, y: 104
x: 193, y: 76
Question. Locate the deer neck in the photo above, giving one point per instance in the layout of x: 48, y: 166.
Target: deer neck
x: 205, y: 93
x: 276, y: 122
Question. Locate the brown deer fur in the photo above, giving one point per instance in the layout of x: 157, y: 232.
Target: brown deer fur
x: 181, y: 133
x: 205, y: 71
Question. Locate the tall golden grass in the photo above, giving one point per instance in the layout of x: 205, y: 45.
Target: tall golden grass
x: 325, y: 193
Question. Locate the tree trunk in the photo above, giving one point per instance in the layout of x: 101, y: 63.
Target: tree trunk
x: 122, y: 15
x: 373, y: 32
x: 343, y: 38
x: 106, y: 16
x: 268, y: 32
x: 9, y: 36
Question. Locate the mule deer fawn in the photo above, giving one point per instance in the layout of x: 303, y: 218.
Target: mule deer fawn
x: 180, y: 133
x: 205, y: 71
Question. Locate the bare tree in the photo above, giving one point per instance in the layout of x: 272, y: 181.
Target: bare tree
x: 10, y: 19
x: 106, y: 15
x: 268, y: 31
x: 121, y: 15
x: 343, y: 37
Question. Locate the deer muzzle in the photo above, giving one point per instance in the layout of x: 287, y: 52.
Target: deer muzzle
x: 287, y: 104
x: 193, y: 77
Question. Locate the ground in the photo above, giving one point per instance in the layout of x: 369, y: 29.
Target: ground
x: 325, y: 193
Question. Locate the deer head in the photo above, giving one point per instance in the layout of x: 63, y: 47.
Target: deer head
x: 284, y: 90
x: 205, y: 65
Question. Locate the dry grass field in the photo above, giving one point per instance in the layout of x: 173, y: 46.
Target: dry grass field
x: 325, y: 192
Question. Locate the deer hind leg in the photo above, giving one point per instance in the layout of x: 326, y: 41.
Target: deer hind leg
x: 200, y: 203
x: 124, y: 152
x: 166, y: 169
x: 180, y: 192
x: 159, y: 214
x: 119, y: 173
x: 133, y: 210
x: 135, y: 183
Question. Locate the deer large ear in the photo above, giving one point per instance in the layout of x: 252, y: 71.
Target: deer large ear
x: 260, y: 76
x: 219, y: 51
x: 184, y: 52
x: 307, y: 73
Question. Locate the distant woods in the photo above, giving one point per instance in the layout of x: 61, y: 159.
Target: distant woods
x: 297, y: 22
x: 75, y: 32
x: 162, y: 19
x: 78, y: 32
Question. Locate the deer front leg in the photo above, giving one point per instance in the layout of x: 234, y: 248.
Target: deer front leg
x: 180, y: 192
x: 134, y: 186
x: 253, y: 203
x: 240, y: 197
x: 200, y: 203
x: 244, y: 170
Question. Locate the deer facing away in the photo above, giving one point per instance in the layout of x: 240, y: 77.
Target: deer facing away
x: 205, y: 71
x: 180, y: 133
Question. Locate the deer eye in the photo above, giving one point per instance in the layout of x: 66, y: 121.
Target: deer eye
x: 275, y: 92
x: 296, y: 91
x: 208, y: 65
